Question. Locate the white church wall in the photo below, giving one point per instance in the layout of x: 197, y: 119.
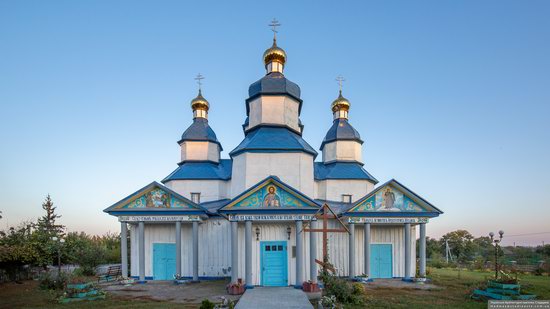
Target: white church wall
x: 342, y: 150
x: 332, y: 189
x: 338, y: 248
x: 210, y: 190
x: 280, y: 110
x: 214, y: 260
x: 294, y: 169
x: 200, y: 151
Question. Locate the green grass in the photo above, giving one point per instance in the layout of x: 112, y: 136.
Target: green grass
x: 454, y: 291
x: 455, y: 288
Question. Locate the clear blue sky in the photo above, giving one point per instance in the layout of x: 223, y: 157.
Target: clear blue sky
x: 452, y: 98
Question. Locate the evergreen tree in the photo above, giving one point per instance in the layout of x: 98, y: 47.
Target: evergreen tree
x: 47, y: 223
x: 45, y: 229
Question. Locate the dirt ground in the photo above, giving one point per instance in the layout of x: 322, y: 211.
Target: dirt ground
x: 187, y: 293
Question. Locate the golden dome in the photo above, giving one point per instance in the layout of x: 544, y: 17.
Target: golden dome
x: 340, y: 103
x: 274, y: 53
x: 200, y: 102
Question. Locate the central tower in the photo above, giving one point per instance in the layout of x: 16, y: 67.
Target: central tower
x: 273, y: 144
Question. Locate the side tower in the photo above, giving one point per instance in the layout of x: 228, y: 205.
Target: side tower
x: 273, y: 144
x: 341, y: 176
x: 201, y: 176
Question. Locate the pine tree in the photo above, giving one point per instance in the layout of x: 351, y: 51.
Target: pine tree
x: 46, y: 223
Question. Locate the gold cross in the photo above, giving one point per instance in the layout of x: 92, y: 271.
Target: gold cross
x: 340, y: 79
x: 198, y: 79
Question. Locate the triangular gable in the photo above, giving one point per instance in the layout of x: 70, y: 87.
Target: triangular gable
x: 392, y: 197
x: 154, y: 197
x: 271, y: 194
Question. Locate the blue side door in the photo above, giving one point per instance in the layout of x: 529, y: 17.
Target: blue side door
x: 381, y: 261
x: 273, y: 263
x: 164, y: 261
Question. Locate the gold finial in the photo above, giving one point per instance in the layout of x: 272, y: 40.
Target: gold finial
x: 274, y: 24
x: 199, y: 102
x: 340, y: 103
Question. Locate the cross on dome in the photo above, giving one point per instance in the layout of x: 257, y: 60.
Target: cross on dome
x: 199, y: 79
x: 340, y: 79
x: 274, y: 24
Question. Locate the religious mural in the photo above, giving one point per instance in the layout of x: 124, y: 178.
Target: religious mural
x: 271, y: 196
x: 157, y: 198
x: 388, y: 199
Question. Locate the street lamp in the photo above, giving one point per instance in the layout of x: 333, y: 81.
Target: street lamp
x: 59, y: 244
x: 497, y: 243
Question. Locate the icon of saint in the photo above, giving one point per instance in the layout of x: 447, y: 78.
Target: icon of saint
x: 389, y: 200
x: 271, y: 199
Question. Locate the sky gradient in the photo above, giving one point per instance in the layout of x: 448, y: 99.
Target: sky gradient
x: 452, y: 98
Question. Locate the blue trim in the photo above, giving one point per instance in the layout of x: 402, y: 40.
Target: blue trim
x: 150, y: 187
x: 283, y: 185
x: 206, y: 278
x: 159, y: 212
x: 249, y: 287
x: 299, y: 287
x: 272, y: 211
x: 407, y: 280
x: 398, y: 184
x: 392, y: 214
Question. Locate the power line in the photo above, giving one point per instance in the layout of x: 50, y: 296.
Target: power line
x: 528, y: 234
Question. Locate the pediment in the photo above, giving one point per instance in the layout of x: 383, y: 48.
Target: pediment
x: 392, y: 197
x: 154, y: 197
x: 271, y: 194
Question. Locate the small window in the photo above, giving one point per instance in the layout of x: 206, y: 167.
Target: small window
x: 196, y: 197
x: 280, y: 248
x: 267, y: 248
x: 346, y: 198
x: 273, y: 248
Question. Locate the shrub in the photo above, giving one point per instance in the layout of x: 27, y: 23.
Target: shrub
x: 207, y: 304
x: 344, y: 292
x: 47, y: 281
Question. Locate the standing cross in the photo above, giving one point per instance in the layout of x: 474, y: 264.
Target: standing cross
x: 340, y: 79
x: 274, y: 24
x: 323, y: 213
x: 198, y: 79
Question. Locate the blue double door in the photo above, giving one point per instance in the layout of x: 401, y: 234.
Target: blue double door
x: 381, y: 261
x: 164, y: 261
x: 274, y: 263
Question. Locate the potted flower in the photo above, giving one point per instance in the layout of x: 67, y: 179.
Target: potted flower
x: 361, y: 278
x: 310, y: 286
x: 236, y: 288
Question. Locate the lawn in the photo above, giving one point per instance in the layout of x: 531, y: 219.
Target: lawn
x: 455, y: 290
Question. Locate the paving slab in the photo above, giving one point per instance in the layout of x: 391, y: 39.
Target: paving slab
x: 274, y: 298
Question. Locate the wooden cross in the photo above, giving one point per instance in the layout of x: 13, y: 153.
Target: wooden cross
x: 323, y: 214
x: 198, y: 79
x: 340, y: 79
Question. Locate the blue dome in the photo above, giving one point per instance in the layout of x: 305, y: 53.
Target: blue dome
x: 274, y: 83
x: 199, y: 130
x: 341, y: 130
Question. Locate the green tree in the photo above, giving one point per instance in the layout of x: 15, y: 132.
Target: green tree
x: 16, y: 249
x: 45, y: 229
x: 461, y: 244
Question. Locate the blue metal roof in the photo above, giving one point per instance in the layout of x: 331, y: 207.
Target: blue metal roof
x: 274, y: 83
x: 337, y: 207
x: 341, y: 129
x: 213, y: 206
x: 341, y: 170
x: 273, y: 139
x: 202, y: 170
x: 199, y: 130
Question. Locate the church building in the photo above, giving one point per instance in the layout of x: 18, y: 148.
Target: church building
x: 246, y: 217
